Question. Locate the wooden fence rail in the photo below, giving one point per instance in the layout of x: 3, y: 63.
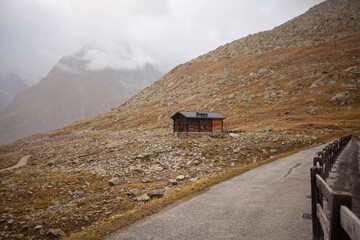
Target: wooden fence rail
x: 331, y: 210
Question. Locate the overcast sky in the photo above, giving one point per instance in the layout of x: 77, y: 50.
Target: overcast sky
x: 35, y: 34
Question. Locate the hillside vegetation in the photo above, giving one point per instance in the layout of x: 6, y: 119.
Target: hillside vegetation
x: 286, y: 89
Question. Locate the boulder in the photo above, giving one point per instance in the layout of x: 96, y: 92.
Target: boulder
x: 313, y: 110
x: 190, y: 163
x: 114, y: 181
x: 268, y: 129
x: 134, y: 192
x: 18, y: 236
x: 143, y: 198
x: 193, y: 179
x: 231, y: 96
x: 196, y: 162
x: 56, y: 232
x: 146, y: 180
x: 172, y: 182
x: 236, y: 150
x: 344, y: 97
x: 38, y: 227
x: 353, y: 69
x: 180, y: 177
x: 167, y: 191
x: 234, y: 135
x: 155, y: 193
x: 316, y: 83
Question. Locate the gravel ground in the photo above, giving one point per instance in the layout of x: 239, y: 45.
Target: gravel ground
x: 269, y: 202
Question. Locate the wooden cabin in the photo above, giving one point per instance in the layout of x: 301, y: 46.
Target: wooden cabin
x: 198, y: 122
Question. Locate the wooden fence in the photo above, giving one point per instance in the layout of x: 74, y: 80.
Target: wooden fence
x: 332, y: 217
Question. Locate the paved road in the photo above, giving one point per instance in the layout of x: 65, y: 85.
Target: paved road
x: 23, y: 161
x: 269, y: 202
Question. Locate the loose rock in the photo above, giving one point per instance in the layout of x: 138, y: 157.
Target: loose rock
x: 143, y: 198
x: 173, y: 182
x: 114, y: 181
x: 134, y: 192
x: 234, y: 135
x: 180, y: 177
x: 146, y: 180
x: 193, y: 179
x: 18, y: 236
x: 155, y: 193
x: 268, y: 129
x: 56, y: 232
x: 38, y: 227
x: 344, y: 97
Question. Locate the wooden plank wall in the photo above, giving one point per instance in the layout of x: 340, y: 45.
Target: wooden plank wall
x: 193, y: 125
x: 217, y: 125
x: 205, y: 125
x: 182, y: 124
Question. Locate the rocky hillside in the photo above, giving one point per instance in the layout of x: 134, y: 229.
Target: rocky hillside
x: 70, y: 92
x: 288, y: 88
x: 308, y: 66
x: 10, y: 86
x: 329, y: 20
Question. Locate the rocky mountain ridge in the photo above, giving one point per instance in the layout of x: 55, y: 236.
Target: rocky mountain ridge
x: 340, y: 18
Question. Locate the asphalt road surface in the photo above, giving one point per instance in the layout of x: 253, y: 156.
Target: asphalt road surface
x: 270, y: 202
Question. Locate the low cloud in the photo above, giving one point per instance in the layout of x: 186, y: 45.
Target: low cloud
x: 120, y: 57
x: 125, y: 34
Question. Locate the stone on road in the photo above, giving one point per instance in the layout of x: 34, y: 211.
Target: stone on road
x: 269, y: 202
x: 23, y: 161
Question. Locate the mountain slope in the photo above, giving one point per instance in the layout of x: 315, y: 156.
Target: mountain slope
x: 70, y: 92
x: 287, y: 92
x: 256, y: 80
x: 10, y: 86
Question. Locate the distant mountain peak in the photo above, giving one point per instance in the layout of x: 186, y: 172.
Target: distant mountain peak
x: 71, y: 92
x: 10, y: 85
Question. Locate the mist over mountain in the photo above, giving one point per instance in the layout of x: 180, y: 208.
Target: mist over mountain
x: 71, y: 91
x: 10, y: 85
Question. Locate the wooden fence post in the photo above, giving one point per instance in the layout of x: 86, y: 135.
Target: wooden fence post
x: 326, y: 159
x: 315, y: 198
x: 321, y: 163
x: 338, y: 199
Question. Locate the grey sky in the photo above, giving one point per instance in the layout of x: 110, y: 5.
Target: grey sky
x: 35, y: 34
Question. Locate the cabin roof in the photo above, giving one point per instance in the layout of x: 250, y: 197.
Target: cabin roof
x: 203, y: 115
